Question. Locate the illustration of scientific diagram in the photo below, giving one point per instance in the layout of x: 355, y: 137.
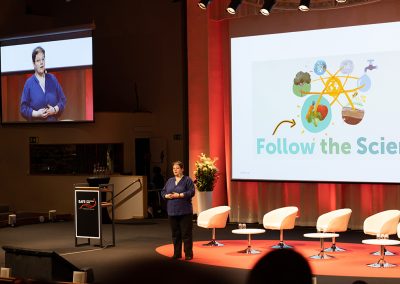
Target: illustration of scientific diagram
x: 335, y: 89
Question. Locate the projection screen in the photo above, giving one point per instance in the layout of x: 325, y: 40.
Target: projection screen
x: 318, y: 105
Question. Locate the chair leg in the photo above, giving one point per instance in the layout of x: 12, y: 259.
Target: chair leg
x: 213, y: 242
x: 281, y: 244
x: 333, y: 247
x: 382, y: 262
x: 385, y: 251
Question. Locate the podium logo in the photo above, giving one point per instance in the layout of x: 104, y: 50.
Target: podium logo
x: 87, y: 204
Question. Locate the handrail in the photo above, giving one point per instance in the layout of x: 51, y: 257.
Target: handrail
x: 129, y: 185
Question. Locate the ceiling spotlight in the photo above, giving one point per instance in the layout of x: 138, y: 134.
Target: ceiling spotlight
x: 233, y: 6
x: 341, y: 1
x: 203, y: 4
x: 304, y: 5
x: 267, y: 7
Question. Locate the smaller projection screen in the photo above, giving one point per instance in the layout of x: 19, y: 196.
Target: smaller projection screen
x: 51, y: 86
x: 318, y: 105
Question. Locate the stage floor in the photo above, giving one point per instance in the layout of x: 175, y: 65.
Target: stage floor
x: 139, y: 241
x: 349, y: 263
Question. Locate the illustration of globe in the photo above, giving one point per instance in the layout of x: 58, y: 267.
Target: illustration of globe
x: 366, y: 81
x: 315, y: 124
x: 347, y: 66
x: 320, y: 67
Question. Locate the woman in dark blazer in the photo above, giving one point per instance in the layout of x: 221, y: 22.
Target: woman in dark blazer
x: 178, y: 191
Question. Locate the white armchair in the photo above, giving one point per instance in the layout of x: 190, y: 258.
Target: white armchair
x: 213, y: 218
x: 281, y: 219
x: 334, y: 222
x: 398, y: 230
x: 382, y: 225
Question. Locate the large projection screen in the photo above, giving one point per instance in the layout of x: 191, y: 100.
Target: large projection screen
x: 318, y: 105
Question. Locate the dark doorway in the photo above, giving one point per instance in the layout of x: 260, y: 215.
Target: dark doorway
x: 142, y: 157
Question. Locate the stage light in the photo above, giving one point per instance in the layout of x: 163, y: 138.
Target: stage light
x: 52, y: 215
x: 304, y: 5
x: 267, y: 7
x: 12, y: 220
x: 233, y: 6
x: 203, y: 4
x: 5, y: 273
x: 79, y: 277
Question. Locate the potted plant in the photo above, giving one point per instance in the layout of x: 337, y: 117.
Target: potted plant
x: 206, y: 175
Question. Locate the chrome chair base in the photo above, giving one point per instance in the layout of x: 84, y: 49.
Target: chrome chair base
x: 213, y: 243
x: 282, y: 245
x: 334, y: 248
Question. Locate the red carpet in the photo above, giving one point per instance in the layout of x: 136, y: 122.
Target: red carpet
x: 349, y: 263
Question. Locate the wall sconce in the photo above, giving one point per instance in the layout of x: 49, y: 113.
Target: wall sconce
x: 304, y: 5
x: 233, y: 6
x: 267, y: 7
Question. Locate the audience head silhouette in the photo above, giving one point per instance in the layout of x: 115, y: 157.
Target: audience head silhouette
x: 281, y: 266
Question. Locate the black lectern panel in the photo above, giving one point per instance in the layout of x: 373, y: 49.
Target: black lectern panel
x: 87, y: 213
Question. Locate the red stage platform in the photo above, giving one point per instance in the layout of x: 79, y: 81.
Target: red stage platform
x: 352, y: 262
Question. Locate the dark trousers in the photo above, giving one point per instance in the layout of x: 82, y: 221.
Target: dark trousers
x: 182, y: 230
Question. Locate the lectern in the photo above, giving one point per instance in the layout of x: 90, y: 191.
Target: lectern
x: 89, y: 201
x: 95, y: 181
